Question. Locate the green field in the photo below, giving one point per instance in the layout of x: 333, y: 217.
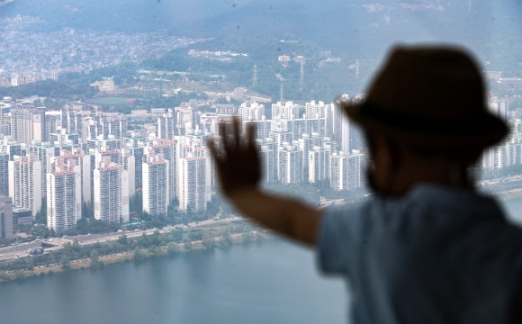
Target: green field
x: 110, y: 101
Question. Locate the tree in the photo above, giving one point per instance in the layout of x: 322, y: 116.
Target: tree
x: 20, y: 275
x: 227, y: 240
x: 172, y: 248
x: 155, y: 238
x: 177, y: 234
x: 76, y: 246
x: 143, y: 241
x: 64, y: 261
x: 209, y: 242
x: 30, y: 264
x: 123, y: 239
x: 187, y: 244
x: 139, y: 255
x: 195, y: 235
x: 95, y: 256
x: 41, y: 215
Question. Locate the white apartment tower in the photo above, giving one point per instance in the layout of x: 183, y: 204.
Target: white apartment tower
x: 155, y: 192
x: 111, y: 193
x: 129, y: 164
x: 44, y: 152
x: 334, y: 120
x: 345, y: 171
x: 167, y: 125
x: 251, y: 110
x: 192, y: 183
x: 64, y: 198
x: 4, y: 174
x: 267, y: 154
x: 345, y: 135
x: 286, y: 110
x: 85, y: 163
x: 290, y: 164
x: 318, y: 164
x: 315, y: 110
x: 167, y: 148
x: 6, y: 218
x: 355, y: 162
x: 25, y: 182
x: 28, y: 124
x: 263, y: 127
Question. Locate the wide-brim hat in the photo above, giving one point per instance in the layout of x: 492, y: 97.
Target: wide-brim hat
x: 431, y: 97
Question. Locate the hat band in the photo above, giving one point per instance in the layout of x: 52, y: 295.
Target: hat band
x: 420, y: 124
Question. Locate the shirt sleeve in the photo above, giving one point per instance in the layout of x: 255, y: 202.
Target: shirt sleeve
x: 337, y: 242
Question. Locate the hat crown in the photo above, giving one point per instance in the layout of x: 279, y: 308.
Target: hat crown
x: 430, y: 83
x: 430, y: 97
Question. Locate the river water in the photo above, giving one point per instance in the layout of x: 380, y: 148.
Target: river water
x: 268, y: 282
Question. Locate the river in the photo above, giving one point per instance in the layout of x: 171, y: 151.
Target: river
x: 268, y: 282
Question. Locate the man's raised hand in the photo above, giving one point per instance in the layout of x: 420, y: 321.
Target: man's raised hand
x: 236, y: 157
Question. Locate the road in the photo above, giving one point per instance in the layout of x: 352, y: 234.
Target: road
x: 20, y: 251
x: 500, y: 180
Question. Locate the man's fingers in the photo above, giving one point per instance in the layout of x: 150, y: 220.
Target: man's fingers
x: 224, y: 137
x: 236, y: 130
x: 251, y: 136
x: 217, y: 156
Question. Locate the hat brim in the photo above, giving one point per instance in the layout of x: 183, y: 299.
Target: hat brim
x: 478, y: 134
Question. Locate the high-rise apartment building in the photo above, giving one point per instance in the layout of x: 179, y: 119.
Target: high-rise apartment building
x: 111, y: 196
x: 25, y: 182
x: 185, y: 120
x: 167, y: 125
x: 104, y: 144
x: 355, y: 163
x: 6, y: 218
x: 315, y: 110
x: 112, y: 124
x: 129, y: 164
x: 28, y: 124
x: 334, y: 117
x: 62, y: 138
x: 53, y: 122
x: 290, y: 169
x: 86, y: 165
x: 318, y: 164
x: 345, y: 135
x: 72, y: 120
x: 267, y: 154
x: 155, y: 191
x: 10, y: 147
x: 138, y: 151
x: 4, y: 174
x: 64, y: 196
x: 44, y: 151
x: 263, y: 127
x: 250, y: 111
x: 345, y: 171
x: 192, y: 183
x: 286, y: 110
x: 167, y: 148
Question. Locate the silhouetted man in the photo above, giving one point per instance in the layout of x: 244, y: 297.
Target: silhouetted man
x: 427, y: 247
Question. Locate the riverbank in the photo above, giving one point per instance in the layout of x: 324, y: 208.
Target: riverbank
x: 147, y: 246
x: 140, y: 254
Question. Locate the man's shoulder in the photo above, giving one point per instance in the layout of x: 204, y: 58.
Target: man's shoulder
x: 425, y: 210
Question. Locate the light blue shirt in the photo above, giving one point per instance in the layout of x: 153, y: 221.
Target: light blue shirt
x: 438, y: 255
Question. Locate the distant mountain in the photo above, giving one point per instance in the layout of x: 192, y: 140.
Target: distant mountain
x: 356, y: 28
